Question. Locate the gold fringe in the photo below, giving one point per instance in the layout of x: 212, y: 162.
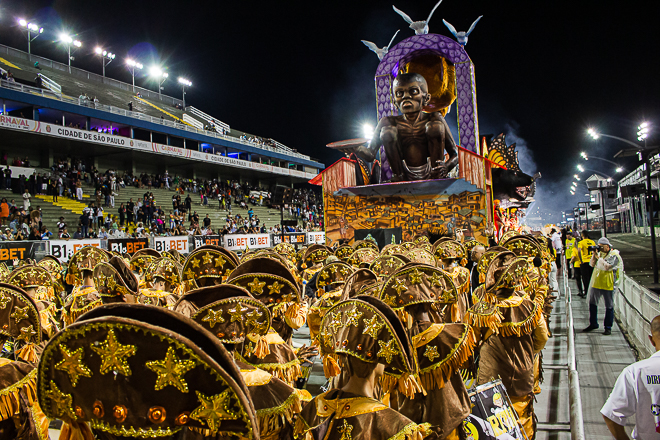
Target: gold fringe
x: 301, y: 427
x: 73, y: 315
x: 331, y: 367
x: 408, y: 385
x: 76, y: 431
x: 434, y: 377
x: 296, y: 315
x: 9, y: 397
x: 524, y: 327
x: 261, y: 349
x: 455, y: 313
x: 410, y: 431
x: 28, y: 353
x: 40, y: 421
x: 491, y: 321
x: 272, y: 420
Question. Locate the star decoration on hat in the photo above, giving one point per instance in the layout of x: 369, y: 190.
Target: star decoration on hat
x: 372, y: 326
x: 415, y: 277
x: 61, y: 403
x: 26, y: 333
x: 237, y: 312
x: 252, y: 318
x: 325, y: 275
x: 335, y: 321
x: 170, y: 371
x: 399, y: 286
x: 257, y: 286
x: 353, y: 316
x: 431, y: 352
x: 333, y: 268
x: 194, y: 263
x: 435, y: 280
x: 114, y: 356
x: 72, y: 364
x: 207, y: 258
x: 20, y: 313
x: 390, y: 300
x: 4, y: 300
x: 214, y: 409
x: 275, y: 288
x: 345, y: 431
x: 387, y: 349
x: 213, y: 317
x: 189, y: 274
x: 219, y: 261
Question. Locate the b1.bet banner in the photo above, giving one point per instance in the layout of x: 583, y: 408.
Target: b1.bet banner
x: 293, y: 238
x: 162, y: 244
x: 127, y: 245
x: 64, y: 249
x: 19, y: 250
x: 203, y: 240
x: 315, y: 238
x: 238, y: 242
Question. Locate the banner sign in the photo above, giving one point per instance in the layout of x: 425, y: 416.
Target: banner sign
x: 238, y: 242
x: 315, y: 238
x: 202, y: 240
x: 127, y: 245
x: 64, y: 249
x: 162, y: 244
x: 124, y: 142
x: 19, y: 250
x: 493, y: 416
x: 293, y: 238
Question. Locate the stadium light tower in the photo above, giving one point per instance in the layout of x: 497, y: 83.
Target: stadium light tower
x: 31, y: 29
x: 66, y: 39
x: 106, y: 57
x: 133, y: 66
x: 184, y: 83
x: 159, y: 76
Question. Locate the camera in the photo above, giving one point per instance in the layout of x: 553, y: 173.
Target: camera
x: 593, y: 248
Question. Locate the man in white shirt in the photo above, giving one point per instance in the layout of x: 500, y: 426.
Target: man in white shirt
x: 637, y: 392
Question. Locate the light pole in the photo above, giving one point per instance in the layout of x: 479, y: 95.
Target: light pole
x: 160, y: 77
x: 644, y: 154
x: 586, y: 156
x: 132, y: 66
x: 30, y: 28
x: 66, y: 39
x: 184, y: 83
x: 106, y: 57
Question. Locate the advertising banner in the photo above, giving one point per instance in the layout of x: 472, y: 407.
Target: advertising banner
x: 238, y: 242
x: 19, y: 250
x: 162, y: 244
x: 127, y: 245
x: 316, y: 238
x: 493, y: 416
x: 291, y: 237
x: 202, y: 240
x: 64, y: 249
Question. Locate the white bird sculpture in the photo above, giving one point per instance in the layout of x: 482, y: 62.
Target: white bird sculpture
x: 461, y: 37
x: 380, y: 52
x: 420, y: 27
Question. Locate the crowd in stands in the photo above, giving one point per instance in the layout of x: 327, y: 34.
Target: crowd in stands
x: 104, y: 217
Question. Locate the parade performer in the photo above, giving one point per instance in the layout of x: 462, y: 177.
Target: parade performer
x: 37, y: 282
x: 164, y: 277
x: 84, y: 296
x: 115, y: 282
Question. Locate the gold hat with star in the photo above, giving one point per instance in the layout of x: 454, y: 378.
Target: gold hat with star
x: 142, y: 371
x: 20, y: 321
x: 268, y: 280
x: 486, y: 258
x: 505, y: 272
x: 387, y: 264
x: 231, y: 314
x: 4, y: 271
x: 508, y: 235
x: 344, y: 251
x: 416, y: 284
x: 114, y: 280
x: 315, y: 254
x: 367, y: 329
x: 361, y: 282
x: 363, y: 257
x: 450, y: 250
x: 421, y: 255
x: 208, y: 266
x: 366, y: 244
x: 174, y: 255
x: 143, y: 258
x: 392, y: 249
x: 287, y: 250
x: 34, y: 277
x: 167, y: 269
x: 332, y: 276
x: 523, y: 246
x: 85, y: 259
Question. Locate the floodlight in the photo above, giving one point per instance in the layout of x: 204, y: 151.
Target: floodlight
x: 584, y: 155
x: 155, y: 71
x: 22, y: 22
x: 185, y: 82
x: 66, y: 38
x: 619, y: 169
x: 580, y: 168
x: 98, y: 51
x: 576, y: 177
x: 593, y: 133
x: 368, y: 131
x: 644, y: 125
x: 77, y: 43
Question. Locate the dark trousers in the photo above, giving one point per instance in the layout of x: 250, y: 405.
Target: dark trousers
x: 594, y: 298
x: 569, y: 267
x: 586, y: 270
x: 578, y: 279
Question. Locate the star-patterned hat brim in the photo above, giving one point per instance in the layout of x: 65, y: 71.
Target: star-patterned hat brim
x: 142, y: 371
x: 19, y: 315
x: 416, y: 284
x: 344, y: 251
x: 164, y: 268
x: 333, y: 275
x: 358, y: 283
x: 264, y: 265
x: 115, y: 278
x: 363, y: 244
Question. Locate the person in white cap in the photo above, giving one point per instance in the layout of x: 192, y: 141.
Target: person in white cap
x: 605, y: 262
x: 637, y: 393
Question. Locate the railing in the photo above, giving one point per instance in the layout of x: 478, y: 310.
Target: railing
x: 635, y: 307
x: 117, y: 111
x: 50, y: 84
x: 208, y: 118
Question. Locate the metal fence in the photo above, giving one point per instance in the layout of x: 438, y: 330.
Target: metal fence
x: 635, y: 307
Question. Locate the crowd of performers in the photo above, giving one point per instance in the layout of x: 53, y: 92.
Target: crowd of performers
x: 200, y: 346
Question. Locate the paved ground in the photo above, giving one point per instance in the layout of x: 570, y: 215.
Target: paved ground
x: 636, y: 253
x: 600, y: 360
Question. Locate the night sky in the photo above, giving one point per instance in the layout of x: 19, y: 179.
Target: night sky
x: 297, y: 71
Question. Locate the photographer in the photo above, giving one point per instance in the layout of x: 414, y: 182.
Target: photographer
x: 605, y: 262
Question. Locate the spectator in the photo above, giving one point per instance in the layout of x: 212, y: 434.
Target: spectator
x: 61, y: 225
x: 84, y: 225
x: 122, y: 214
x: 207, y: 221
x: 583, y: 257
x: 46, y: 234
x: 4, y: 211
x: 26, y: 200
x: 79, y: 190
x: 78, y: 234
x: 103, y: 235
x: 607, y: 264
x: 64, y: 234
x: 637, y: 393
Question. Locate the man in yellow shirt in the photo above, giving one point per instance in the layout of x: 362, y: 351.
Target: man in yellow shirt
x: 583, y: 257
x: 570, y: 249
x: 605, y: 262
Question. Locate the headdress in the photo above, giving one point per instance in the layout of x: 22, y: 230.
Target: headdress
x: 85, y: 259
x: 207, y: 266
x: 143, y: 258
x: 36, y: 277
x: 20, y: 321
x: 115, y: 281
